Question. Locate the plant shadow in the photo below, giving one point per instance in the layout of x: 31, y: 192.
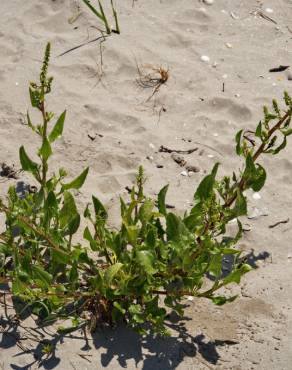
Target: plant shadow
x: 109, y: 346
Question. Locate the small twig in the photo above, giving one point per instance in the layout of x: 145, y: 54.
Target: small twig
x: 84, y: 44
x: 85, y: 357
x: 164, y: 149
x: 279, y: 223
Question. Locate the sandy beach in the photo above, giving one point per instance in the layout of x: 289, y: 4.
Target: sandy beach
x: 218, y: 59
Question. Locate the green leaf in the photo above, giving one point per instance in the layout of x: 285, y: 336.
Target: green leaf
x: 221, y: 300
x: 119, y: 307
x: 74, y: 224
x: 68, y: 211
x: 146, y: 260
x: 281, y: 146
x: 161, y: 200
x: 175, y: 228
x: 206, y: 187
x: 99, y: 209
x: 146, y: 211
x: 132, y: 232
x: 42, y: 275
x: 29, y: 123
x: 111, y: 272
x: 258, y: 132
x: 78, y: 182
x: 240, y: 207
x: 87, y: 235
x: 58, y: 128
x: 238, y: 142
x: 60, y: 256
x: 45, y: 151
x: 87, y: 2
x: 26, y: 163
x: 235, y: 276
x: 215, y: 266
x: 34, y: 98
x: 255, y: 175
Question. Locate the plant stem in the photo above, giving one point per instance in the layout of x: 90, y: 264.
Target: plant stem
x: 44, y: 136
x: 260, y: 150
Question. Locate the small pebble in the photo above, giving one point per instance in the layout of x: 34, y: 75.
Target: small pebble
x: 205, y: 58
x: 210, y: 156
x: 228, y: 45
x: 190, y: 298
x: 225, y: 76
x: 16, y: 83
x: 184, y: 173
x: 237, y: 95
x: 192, y: 169
x: 289, y: 256
x: 208, y: 2
x: 269, y: 10
x: 152, y: 146
x: 288, y: 74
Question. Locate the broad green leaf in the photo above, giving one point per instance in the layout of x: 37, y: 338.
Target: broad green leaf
x: 45, y: 151
x: 68, y: 211
x: 175, y: 228
x: 161, y: 200
x: 87, y: 235
x: 206, y: 187
x: 240, y: 207
x: 99, y: 209
x: 215, y: 266
x: 132, y: 232
x: 58, y: 128
x: 78, y: 182
x: 74, y: 224
x: 42, y: 275
x: 111, y: 272
x: 255, y: 175
x: 60, y: 256
x: 146, y: 260
x: 146, y: 211
x: 235, y: 276
x: 26, y: 163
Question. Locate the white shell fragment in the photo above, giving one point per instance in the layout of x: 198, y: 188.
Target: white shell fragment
x: 205, y: 58
x: 152, y: 146
x: 256, y: 196
x: 269, y: 10
x: 184, y: 173
x: 256, y: 213
x: 228, y: 45
x: 208, y: 2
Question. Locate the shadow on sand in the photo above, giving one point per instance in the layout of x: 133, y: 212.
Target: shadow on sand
x: 118, y: 347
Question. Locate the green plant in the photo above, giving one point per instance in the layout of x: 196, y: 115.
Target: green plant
x: 146, y: 267
x: 101, y: 15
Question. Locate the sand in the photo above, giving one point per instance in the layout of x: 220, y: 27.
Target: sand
x: 190, y: 111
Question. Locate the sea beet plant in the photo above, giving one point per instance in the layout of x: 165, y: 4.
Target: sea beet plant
x: 145, y: 268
